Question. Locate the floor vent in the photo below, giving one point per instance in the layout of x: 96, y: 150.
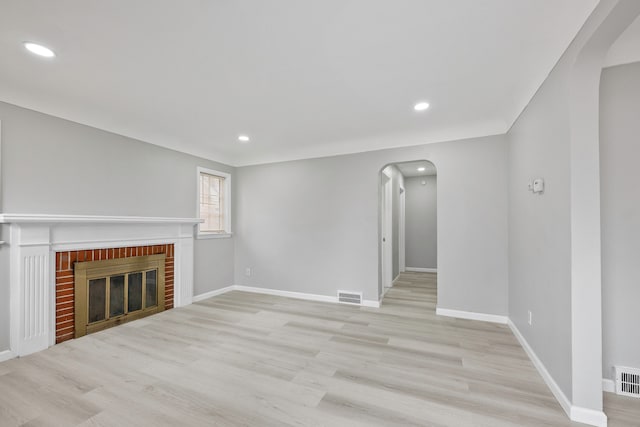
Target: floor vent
x: 349, y: 297
x: 627, y: 381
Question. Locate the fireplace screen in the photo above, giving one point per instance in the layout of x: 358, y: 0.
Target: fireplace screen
x: 114, y: 291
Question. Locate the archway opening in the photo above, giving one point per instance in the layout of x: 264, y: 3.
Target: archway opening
x: 407, y: 221
x: 620, y: 212
x: 586, y: 272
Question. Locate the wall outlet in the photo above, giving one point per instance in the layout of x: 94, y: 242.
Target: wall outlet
x: 536, y: 186
x: 247, y: 272
x: 530, y: 318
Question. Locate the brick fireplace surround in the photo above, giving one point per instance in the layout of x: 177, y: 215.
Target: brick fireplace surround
x: 65, y: 326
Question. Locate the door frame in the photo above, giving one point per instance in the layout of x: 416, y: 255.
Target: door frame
x: 386, y: 233
x: 402, y: 233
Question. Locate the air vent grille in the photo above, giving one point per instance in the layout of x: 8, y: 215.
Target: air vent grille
x: 627, y: 381
x: 349, y: 297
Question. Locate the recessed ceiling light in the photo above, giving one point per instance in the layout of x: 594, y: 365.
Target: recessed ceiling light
x: 422, y: 169
x: 421, y: 106
x: 243, y: 138
x: 39, y: 50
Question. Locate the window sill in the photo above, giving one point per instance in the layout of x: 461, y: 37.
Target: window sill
x: 205, y: 236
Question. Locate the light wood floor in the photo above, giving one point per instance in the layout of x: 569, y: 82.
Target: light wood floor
x: 244, y: 359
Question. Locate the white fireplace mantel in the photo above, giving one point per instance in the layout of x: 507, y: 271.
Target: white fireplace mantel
x: 91, y: 219
x: 34, y: 240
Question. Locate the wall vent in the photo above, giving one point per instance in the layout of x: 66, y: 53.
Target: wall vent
x: 349, y: 297
x: 627, y: 381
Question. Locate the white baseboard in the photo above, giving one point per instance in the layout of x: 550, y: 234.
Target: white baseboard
x: 279, y: 293
x: 213, y: 293
x: 421, y: 270
x: 588, y: 416
x: 493, y: 318
x: 370, y: 303
x: 6, y: 355
x: 542, y: 370
x: 300, y: 295
x: 288, y: 294
x: 575, y: 413
x: 608, y: 385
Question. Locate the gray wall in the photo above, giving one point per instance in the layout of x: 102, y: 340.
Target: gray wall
x: 54, y: 166
x: 213, y: 261
x: 620, y: 176
x: 312, y: 225
x: 421, y: 247
x: 554, y: 139
x: 539, y: 228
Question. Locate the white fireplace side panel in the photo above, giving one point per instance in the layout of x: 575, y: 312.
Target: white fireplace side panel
x: 35, y: 302
x: 30, y: 290
x: 183, y: 268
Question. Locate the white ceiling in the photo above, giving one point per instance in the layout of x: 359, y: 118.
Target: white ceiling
x: 303, y: 78
x: 410, y: 169
x: 626, y: 48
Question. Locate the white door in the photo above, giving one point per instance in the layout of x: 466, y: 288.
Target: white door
x: 387, y: 270
x: 401, y: 233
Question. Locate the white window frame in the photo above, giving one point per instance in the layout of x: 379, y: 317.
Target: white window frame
x: 227, y: 204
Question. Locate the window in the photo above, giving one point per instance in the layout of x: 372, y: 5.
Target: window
x: 214, y: 203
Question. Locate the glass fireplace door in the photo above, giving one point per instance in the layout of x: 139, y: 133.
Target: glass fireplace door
x: 114, y: 291
x: 119, y: 295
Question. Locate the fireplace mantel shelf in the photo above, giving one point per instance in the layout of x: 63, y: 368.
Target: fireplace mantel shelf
x: 7, y: 218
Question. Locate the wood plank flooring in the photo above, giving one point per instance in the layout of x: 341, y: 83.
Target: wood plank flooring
x: 243, y: 359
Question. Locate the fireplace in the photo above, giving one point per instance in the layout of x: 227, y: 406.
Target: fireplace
x: 115, y: 291
x: 45, y: 248
x: 75, y: 270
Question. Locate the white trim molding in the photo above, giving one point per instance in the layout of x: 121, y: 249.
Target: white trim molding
x: 279, y: 293
x: 470, y: 315
x: 288, y: 294
x: 35, y: 239
x: 542, y: 370
x: 6, y: 355
x: 214, y: 293
x: 421, y: 270
x: 588, y: 416
x: 7, y: 218
x: 226, y: 203
x: 205, y: 236
x: 575, y: 413
x: 370, y: 303
x: 608, y: 385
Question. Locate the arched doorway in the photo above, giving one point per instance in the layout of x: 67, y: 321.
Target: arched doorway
x: 407, y: 220
x: 586, y: 284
